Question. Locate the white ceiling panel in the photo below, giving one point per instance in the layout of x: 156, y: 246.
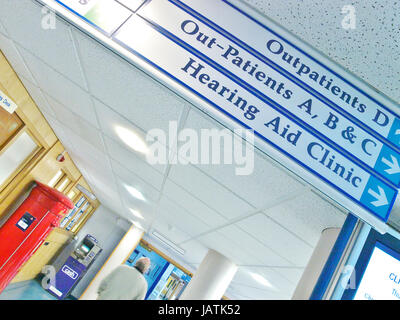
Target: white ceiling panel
x: 272, y: 282
x: 205, y: 188
x: 240, y: 292
x: 84, y: 111
x: 129, y: 178
x: 195, y: 252
x: 109, y: 121
x: 135, y: 163
x: 370, y: 50
x: 279, y: 283
x: 54, y: 46
x: 108, y: 197
x: 307, y: 216
x: 14, y: 58
x: 291, y: 274
x: 3, y: 30
x: 274, y: 235
x: 263, y: 186
x: 79, y: 126
x: 126, y: 89
x: 146, y: 209
x: 244, y: 241
x: 193, y: 204
x: 218, y: 242
x: 246, y: 292
x: 181, y: 218
x: 127, y: 155
x: 55, y: 84
x: 169, y: 231
x: 94, y: 161
x: 101, y: 171
x: 58, y: 129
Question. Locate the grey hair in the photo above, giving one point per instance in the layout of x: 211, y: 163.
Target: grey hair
x: 143, y: 264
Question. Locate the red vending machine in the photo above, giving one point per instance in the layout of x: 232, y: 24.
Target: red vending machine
x: 28, y: 227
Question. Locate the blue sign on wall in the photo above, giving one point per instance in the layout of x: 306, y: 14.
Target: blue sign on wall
x: 159, y: 272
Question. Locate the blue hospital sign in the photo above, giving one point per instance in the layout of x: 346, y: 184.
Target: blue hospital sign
x: 315, y: 119
x: 381, y: 279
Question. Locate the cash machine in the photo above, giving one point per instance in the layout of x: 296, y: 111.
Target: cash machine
x: 74, y: 268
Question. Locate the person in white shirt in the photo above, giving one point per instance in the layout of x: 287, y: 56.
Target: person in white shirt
x: 125, y: 282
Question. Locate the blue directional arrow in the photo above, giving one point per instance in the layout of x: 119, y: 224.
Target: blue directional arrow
x: 388, y: 165
x: 394, y: 134
x: 378, y: 197
x: 393, y: 165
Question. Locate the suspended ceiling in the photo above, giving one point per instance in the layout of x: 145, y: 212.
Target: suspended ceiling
x: 269, y: 222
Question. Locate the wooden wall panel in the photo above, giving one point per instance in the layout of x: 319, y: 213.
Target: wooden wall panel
x: 42, y: 167
x: 27, y: 109
x: 43, y: 172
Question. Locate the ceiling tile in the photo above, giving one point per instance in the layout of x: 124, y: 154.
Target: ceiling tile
x: 92, y: 157
x: 109, y: 121
x: 3, y: 30
x: 126, y: 89
x: 14, y: 58
x: 275, y: 236
x: 192, y: 204
x: 84, y: 111
x: 108, y: 197
x: 245, y: 292
x: 291, y: 274
x: 79, y: 126
x: 205, y: 188
x: 307, y: 216
x: 169, y: 231
x: 135, y: 163
x: 370, y: 50
x: 224, y: 246
x: 128, y: 178
x: 265, y: 184
x: 273, y: 284
x: 54, y: 46
x: 279, y: 283
x: 56, y: 85
x: 58, y: 129
x: 148, y: 209
x: 178, y: 216
x: 195, y: 252
x: 245, y: 241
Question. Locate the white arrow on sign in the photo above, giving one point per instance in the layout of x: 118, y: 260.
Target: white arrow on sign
x: 397, y: 132
x: 380, y: 197
x: 393, y: 165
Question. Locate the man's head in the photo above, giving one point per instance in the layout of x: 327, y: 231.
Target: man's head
x: 143, y: 264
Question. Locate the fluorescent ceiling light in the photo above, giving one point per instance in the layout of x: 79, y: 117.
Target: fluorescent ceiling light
x: 135, y: 192
x: 261, y: 279
x: 136, y: 213
x: 168, y: 243
x: 131, y: 139
x: 137, y: 224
